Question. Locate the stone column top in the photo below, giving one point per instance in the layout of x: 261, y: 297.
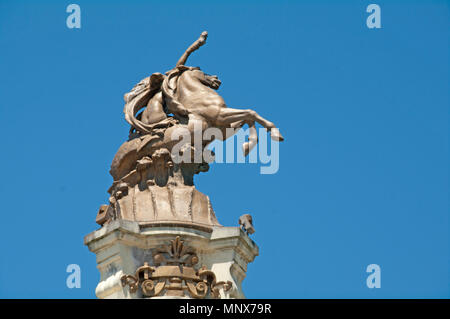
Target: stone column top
x: 133, y: 234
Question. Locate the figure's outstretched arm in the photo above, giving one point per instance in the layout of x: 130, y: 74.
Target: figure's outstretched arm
x: 194, y: 46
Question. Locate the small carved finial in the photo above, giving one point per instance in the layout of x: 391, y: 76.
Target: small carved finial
x: 246, y: 223
x: 102, y: 215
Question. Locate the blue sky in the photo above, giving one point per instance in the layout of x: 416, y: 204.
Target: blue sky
x: 363, y: 172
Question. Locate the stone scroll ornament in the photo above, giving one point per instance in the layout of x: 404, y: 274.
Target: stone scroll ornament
x: 173, y: 274
x: 151, y: 184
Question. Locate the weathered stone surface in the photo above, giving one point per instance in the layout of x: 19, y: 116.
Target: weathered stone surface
x: 122, y: 247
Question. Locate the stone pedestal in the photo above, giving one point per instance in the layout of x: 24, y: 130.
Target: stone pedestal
x: 170, y: 261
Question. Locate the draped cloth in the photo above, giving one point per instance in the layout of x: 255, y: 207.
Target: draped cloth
x: 137, y: 99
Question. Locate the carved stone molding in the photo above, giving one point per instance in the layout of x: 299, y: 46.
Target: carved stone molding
x: 160, y: 190
x: 174, y: 274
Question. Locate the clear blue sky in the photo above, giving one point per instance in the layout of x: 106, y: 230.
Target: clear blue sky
x: 363, y: 172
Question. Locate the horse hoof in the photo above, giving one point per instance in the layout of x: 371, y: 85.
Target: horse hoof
x: 276, y: 135
x: 246, y: 148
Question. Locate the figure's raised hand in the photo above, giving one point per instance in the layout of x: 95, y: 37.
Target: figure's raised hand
x: 203, y: 37
x: 194, y: 46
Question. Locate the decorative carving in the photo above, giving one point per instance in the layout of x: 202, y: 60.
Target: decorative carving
x: 142, y: 276
x: 246, y: 222
x: 173, y: 274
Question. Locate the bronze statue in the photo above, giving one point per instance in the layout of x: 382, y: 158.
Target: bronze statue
x: 185, y: 97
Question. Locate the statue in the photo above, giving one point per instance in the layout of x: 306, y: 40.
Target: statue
x: 160, y: 237
x: 184, y: 98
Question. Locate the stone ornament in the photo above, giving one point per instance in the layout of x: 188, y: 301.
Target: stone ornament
x: 174, y: 275
x: 246, y: 223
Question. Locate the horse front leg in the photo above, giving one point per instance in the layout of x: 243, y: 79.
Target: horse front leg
x: 228, y: 116
x: 252, y: 138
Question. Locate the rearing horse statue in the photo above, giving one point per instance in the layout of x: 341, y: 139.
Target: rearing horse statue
x: 190, y: 96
